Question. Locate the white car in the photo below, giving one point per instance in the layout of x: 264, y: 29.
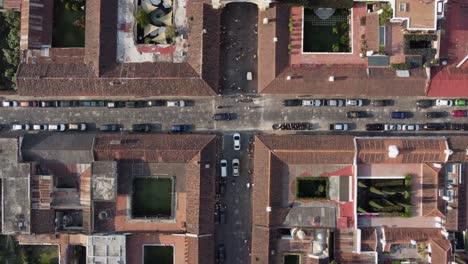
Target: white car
x: 20, y: 127
x: 354, y: 102
x: 10, y: 104
x: 59, y: 127
x: 236, y: 137
x: 235, y: 167
x: 40, y: 127
x: 315, y: 102
x: 176, y: 103
x: 335, y: 102
x: 444, y: 102
x: 410, y: 127
x: 391, y: 127
x: 339, y: 127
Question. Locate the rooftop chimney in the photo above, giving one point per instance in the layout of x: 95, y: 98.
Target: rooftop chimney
x: 393, y: 151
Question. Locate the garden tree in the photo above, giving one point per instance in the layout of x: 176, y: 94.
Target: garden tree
x: 142, y: 18
x: 9, y: 44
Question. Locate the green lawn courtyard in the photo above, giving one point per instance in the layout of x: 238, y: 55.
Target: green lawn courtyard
x: 326, y: 35
x: 312, y: 188
x: 152, y: 197
x: 69, y: 24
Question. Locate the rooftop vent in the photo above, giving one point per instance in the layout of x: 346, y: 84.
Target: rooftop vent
x: 115, y: 142
x: 265, y: 21
x: 448, y: 152
x: 275, y: 39
x: 393, y: 151
x: 103, y: 215
x: 331, y: 78
x: 288, y: 77
x: 268, y: 209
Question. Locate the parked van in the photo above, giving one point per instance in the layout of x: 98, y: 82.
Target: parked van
x: 223, y: 168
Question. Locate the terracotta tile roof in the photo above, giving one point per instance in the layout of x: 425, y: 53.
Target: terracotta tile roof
x: 101, y: 37
x: 368, y: 239
x: 12, y: 4
x: 349, y: 80
x: 261, y: 245
x: 441, y: 251
x: 201, y: 250
x: 372, y: 31
x: 130, y: 79
x: 411, y: 150
x: 36, y: 24
x: 459, y: 146
x: 405, y: 235
x: 432, y: 204
x: 272, y: 57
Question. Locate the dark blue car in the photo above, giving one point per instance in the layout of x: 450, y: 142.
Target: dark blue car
x: 400, y: 115
x: 180, y: 128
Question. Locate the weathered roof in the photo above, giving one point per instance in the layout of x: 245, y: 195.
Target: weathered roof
x: 372, y: 31
x: 36, y: 24
x: 16, y: 197
x: 441, y: 251
x: 349, y: 80
x: 432, y: 203
x: 395, y: 235
x: 10, y: 4
x: 420, y: 14
x: 411, y: 150
x: 368, y: 239
x: 104, y: 180
x: 64, y: 148
x: 459, y: 146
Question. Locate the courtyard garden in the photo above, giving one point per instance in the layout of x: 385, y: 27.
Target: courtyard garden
x: 155, y: 22
x: 420, y: 44
x: 312, y: 188
x: 326, y: 30
x: 291, y: 259
x: 69, y: 23
x: 152, y: 197
x: 158, y: 254
x: 385, y: 197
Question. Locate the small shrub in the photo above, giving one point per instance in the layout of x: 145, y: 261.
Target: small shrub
x: 142, y: 18
x: 386, y: 14
x: 375, y: 205
x: 67, y: 6
x: 335, y: 48
x: 400, y: 66
x: 335, y: 30
x: 74, y: 7
x: 381, y: 49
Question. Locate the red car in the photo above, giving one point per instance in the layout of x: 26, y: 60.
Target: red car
x: 459, y: 113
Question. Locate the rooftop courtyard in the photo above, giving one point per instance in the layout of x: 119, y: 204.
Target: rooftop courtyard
x: 152, y: 197
x: 162, y: 254
x: 69, y: 23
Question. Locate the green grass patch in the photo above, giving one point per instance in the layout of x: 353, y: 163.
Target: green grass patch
x: 152, y: 197
x: 329, y: 35
x: 387, y: 197
x: 69, y: 24
x: 158, y: 254
x: 312, y: 188
x: 42, y: 254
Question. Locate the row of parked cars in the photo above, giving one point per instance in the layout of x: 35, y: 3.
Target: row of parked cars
x: 98, y: 103
x: 50, y: 127
x: 326, y: 102
x: 416, y: 127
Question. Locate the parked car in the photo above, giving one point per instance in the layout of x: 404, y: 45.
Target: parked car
x: 237, y: 141
x: 292, y: 126
x: 444, y: 102
x: 115, y: 104
x: 77, y: 127
x: 374, y: 127
x: 436, y: 114
x: 380, y: 103
x: 459, y: 113
x: 313, y: 102
x: 354, y: 102
x: 222, y: 214
x: 424, y: 103
x: 410, y: 127
x: 392, y: 127
x: 339, y: 127
x: 223, y: 117
x: 180, y: 128
x: 292, y: 102
x: 356, y: 114
x: 93, y: 103
x: 40, y: 127
x: 400, y: 115
x: 179, y: 103
x: 335, y: 102
x: 10, y: 103
x: 433, y: 126
x: 223, y: 165
x: 49, y: 104
x: 156, y: 103
x: 141, y: 128
x: 461, y: 102
x: 29, y: 104
x: 15, y: 127
x: 235, y: 167
x: 135, y: 104
x: 71, y: 103
x: 454, y: 126
x: 109, y: 128
x: 59, y: 127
